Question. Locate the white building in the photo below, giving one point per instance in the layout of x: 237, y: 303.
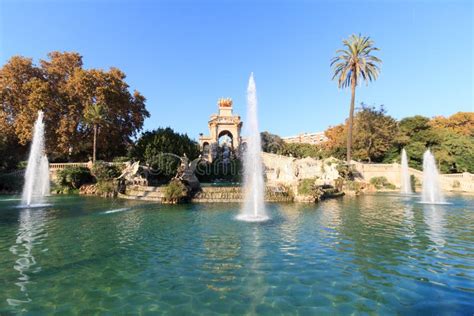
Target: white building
x: 307, y: 138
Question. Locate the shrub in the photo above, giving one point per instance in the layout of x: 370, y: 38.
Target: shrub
x: 353, y: 186
x: 22, y: 165
x: 345, y: 171
x: 11, y: 183
x: 102, y: 171
x: 306, y: 186
x: 219, y: 171
x: 381, y: 182
x: 121, y: 159
x: 105, y: 187
x: 74, y: 177
x: 414, y: 183
x: 175, y: 191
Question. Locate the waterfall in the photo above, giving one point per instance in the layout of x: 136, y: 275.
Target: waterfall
x: 431, y: 190
x: 36, y: 185
x: 405, y: 187
x: 253, y: 208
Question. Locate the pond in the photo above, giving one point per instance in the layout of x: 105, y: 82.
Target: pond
x: 380, y: 254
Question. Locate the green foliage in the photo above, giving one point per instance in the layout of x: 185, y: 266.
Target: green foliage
x: 161, y: 149
x: 106, y: 187
x: 346, y: 171
x: 381, y: 183
x: 374, y: 132
x: 74, y: 177
x: 217, y: 171
x: 352, y: 185
x: 11, y: 182
x: 103, y: 171
x: 164, y: 140
x: 306, y: 186
x: 175, y: 191
x: 414, y: 182
x: 304, y: 150
x: 272, y: 143
x: 22, y: 165
x: 121, y: 159
x: 163, y: 166
x: 356, y: 61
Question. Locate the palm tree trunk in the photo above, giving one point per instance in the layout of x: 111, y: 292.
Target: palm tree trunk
x: 95, y: 144
x: 351, y: 122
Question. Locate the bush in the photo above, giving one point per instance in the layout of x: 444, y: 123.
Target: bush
x: 121, y: 159
x: 105, y: 187
x: 74, y: 177
x: 353, y: 186
x: 11, y: 183
x: 219, y: 171
x: 414, y: 183
x: 382, y: 182
x: 102, y: 171
x: 306, y: 186
x: 345, y: 171
x: 175, y: 191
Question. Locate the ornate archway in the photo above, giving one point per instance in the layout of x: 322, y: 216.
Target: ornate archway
x: 225, y: 123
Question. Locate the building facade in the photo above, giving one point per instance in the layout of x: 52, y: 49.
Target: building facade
x: 224, y: 132
x: 307, y: 138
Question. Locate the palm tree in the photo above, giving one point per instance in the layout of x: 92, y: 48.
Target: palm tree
x: 95, y: 115
x: 351, y: 65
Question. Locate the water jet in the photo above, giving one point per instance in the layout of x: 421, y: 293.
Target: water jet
x: 253, y: 209
x: 37, y: 185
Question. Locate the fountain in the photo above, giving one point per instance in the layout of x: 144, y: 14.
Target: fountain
x: 36, y: 185
x: 253, y: 208
x: 405, y: 187
x: 431, y: 191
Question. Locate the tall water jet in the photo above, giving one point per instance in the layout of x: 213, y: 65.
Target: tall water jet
x: 253, y: 208
x: 405, y: 187
x: 431, y: 190
x: 36, y: 185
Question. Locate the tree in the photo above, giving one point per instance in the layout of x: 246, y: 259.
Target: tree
x: 337, y: 140
x: 461, y: 123
x: 64, y: 90
x: 415, y: 135
x: 95, y: 116
x: 271, y: 143
x: 374, y: 133
x: 159, y: 149
x: 352, y: 65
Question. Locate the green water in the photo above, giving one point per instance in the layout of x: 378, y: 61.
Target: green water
x: 379, y: 254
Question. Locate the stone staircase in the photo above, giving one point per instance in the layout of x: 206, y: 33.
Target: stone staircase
x: 144, y: 193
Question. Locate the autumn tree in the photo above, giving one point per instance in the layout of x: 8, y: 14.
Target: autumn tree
x: 461, y: 123
x: 64, y: 90
x: 336, y: 141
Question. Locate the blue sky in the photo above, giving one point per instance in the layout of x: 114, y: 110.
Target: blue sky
x: 184, y: 55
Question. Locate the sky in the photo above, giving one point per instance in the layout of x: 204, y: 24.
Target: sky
x: 185, y: 55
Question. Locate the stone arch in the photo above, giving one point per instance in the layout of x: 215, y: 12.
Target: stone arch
x: 206, y: 149
x: 225, y: 135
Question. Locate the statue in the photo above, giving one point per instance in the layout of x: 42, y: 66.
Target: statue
x: 186, y: 172
x: 131, y: 174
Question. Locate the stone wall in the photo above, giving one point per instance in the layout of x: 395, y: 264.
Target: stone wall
x: 449, y: 182
x: 284, y: 170
x: 206, y: 195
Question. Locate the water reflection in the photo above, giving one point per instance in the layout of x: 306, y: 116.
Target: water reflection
x: 289, y: 230
x: 31, y: 233
x: 434, y: 219
x: 257, y: 266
